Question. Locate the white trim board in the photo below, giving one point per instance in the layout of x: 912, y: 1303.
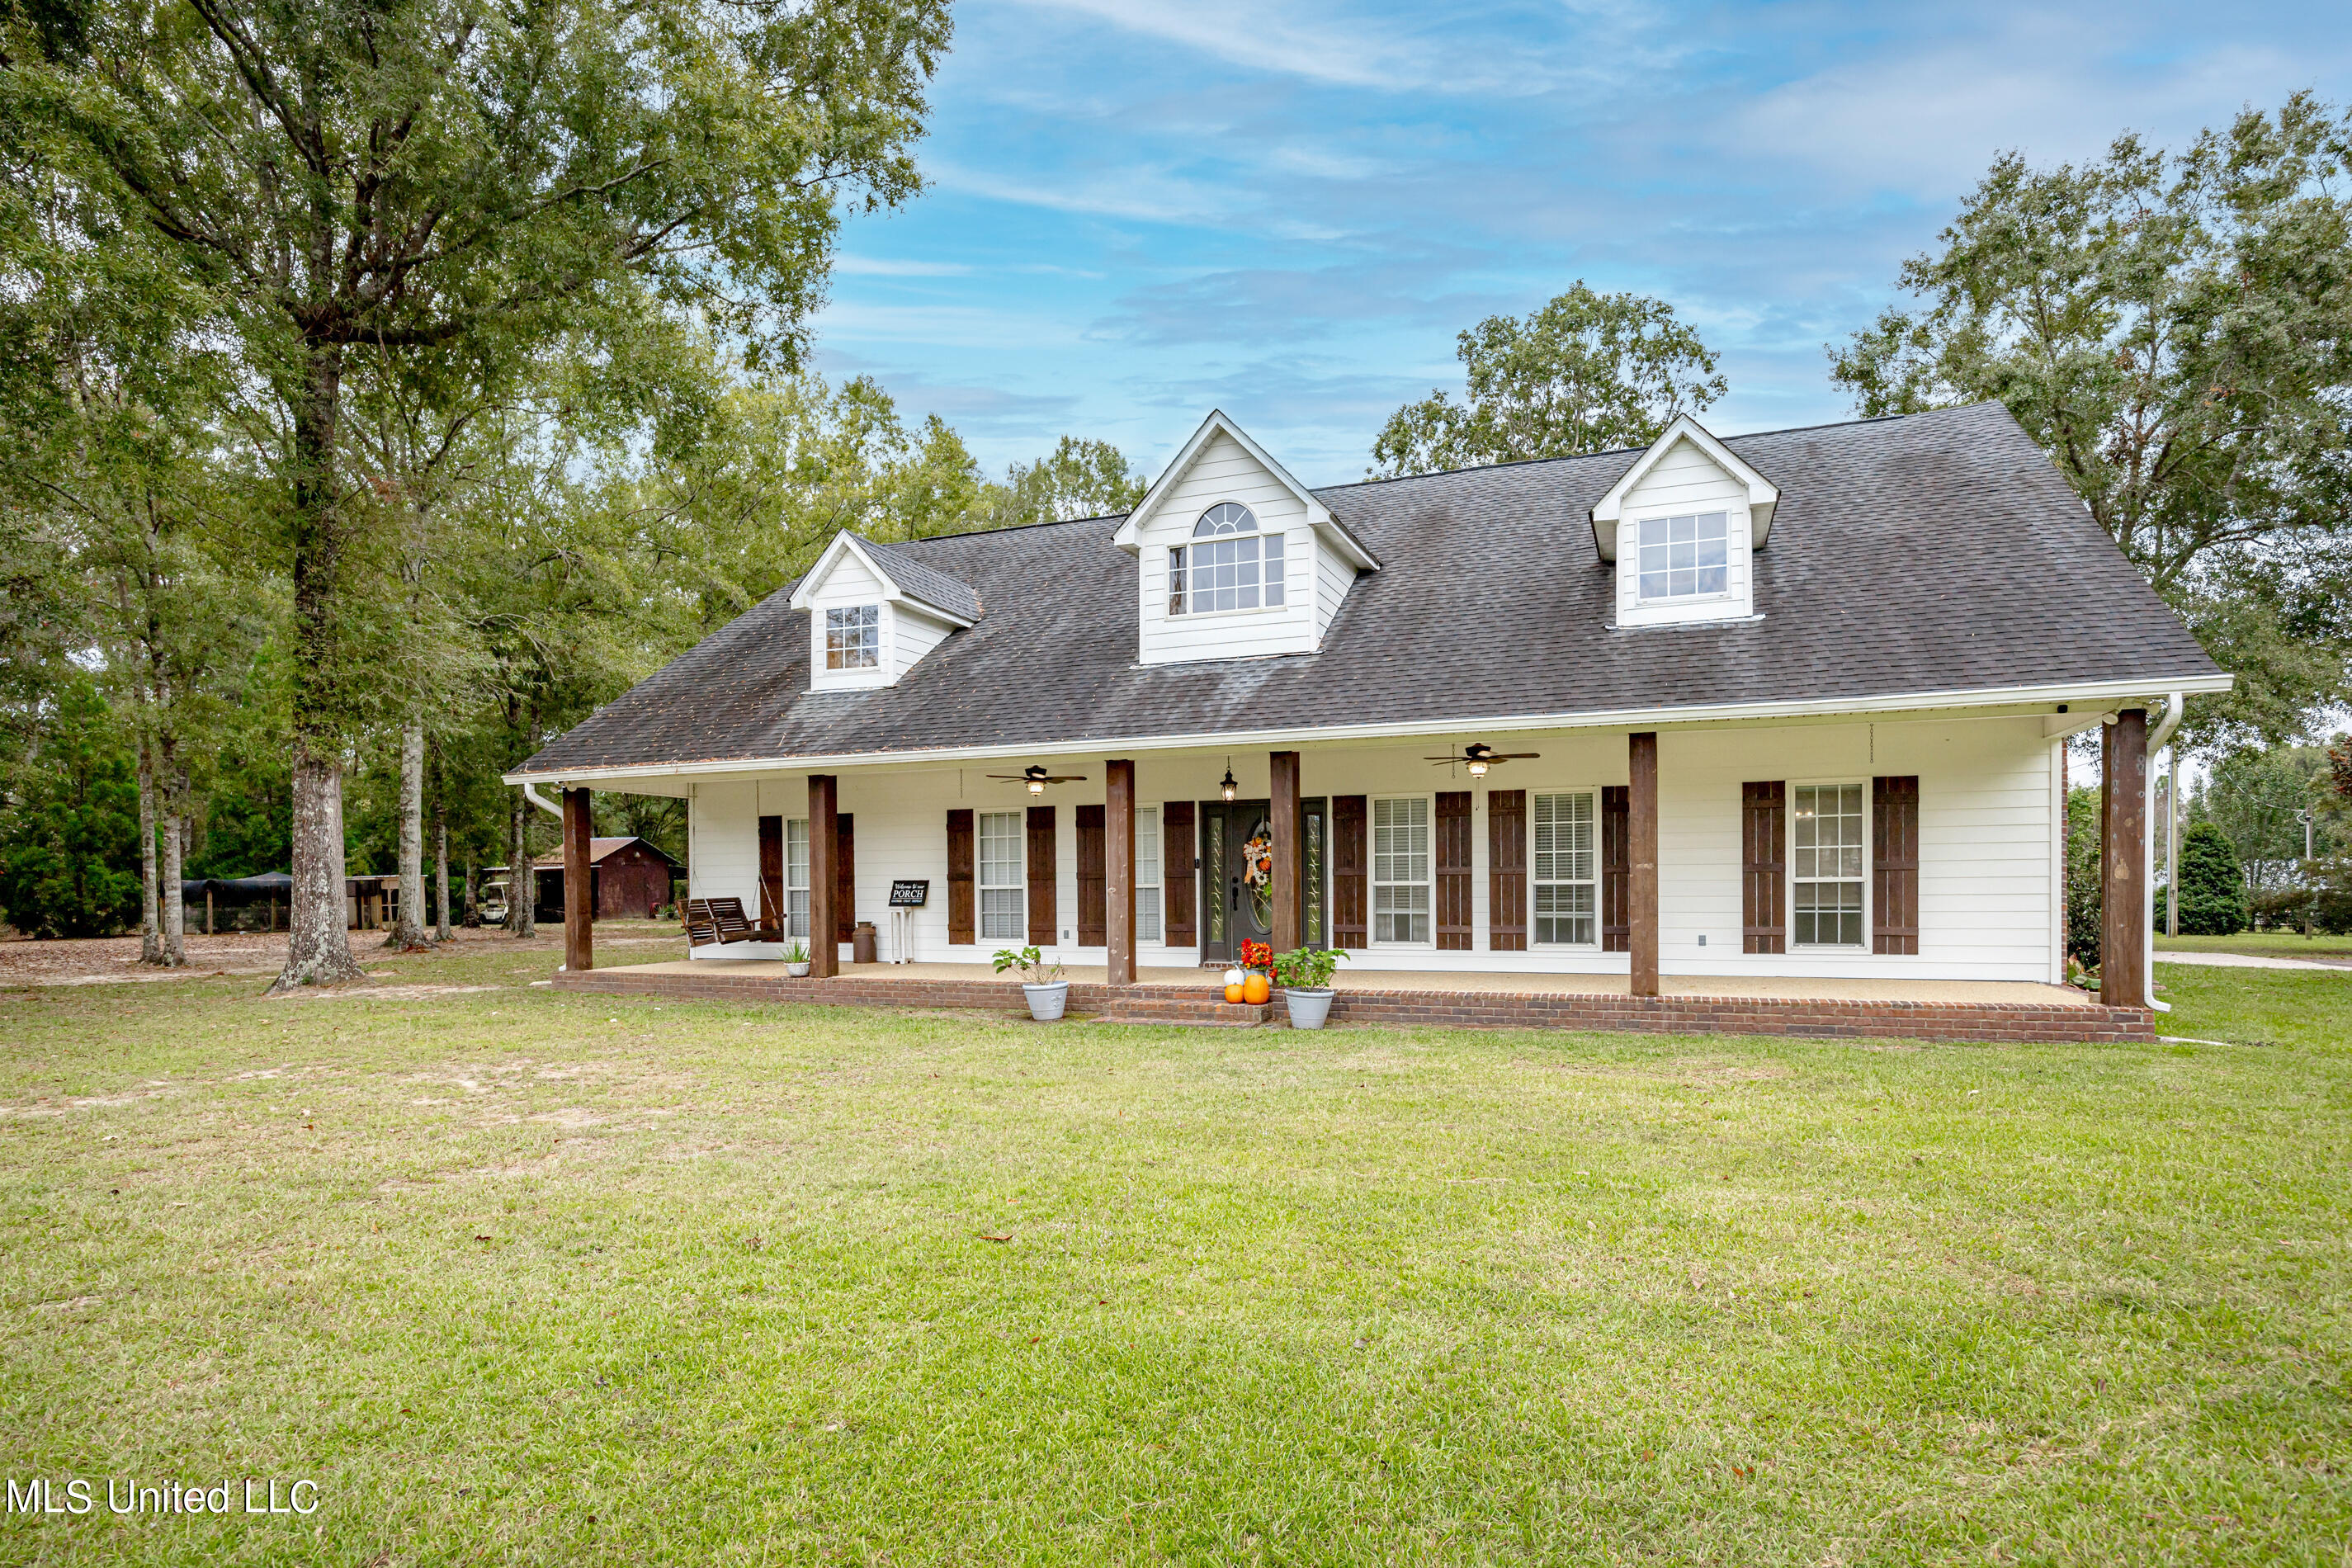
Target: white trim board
x: 2102, y: 693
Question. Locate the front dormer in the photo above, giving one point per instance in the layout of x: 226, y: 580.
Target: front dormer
x: 1683, y: 526
x: 1235, y: 558
x: 874, y: 612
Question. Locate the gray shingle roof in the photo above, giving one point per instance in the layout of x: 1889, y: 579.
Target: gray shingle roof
x: 1937, y: 552
x: 919, y: 580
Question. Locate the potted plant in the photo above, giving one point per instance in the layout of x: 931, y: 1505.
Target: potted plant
x: 796, y: 960
x: 1042, y: 983
x: 1306, y: 976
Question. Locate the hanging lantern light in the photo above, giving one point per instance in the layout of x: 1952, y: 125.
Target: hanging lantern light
x: 1228, y: 787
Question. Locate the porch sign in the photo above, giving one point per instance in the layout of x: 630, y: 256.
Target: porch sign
x: 906, y: 896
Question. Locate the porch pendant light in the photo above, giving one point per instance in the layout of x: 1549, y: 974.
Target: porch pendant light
x: 1228, y: 787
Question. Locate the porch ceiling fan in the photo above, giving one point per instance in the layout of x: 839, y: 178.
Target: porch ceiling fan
x: 1478, y: 757
x: 1037, y: 778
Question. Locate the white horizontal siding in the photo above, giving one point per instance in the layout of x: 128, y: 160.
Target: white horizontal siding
x: 908, y: 635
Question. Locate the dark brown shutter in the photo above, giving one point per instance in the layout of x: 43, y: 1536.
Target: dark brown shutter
x: 1764, y: 866
x: 1178, y: 881
x: 1350, y: 878
x: 960, y: 929
x: 1042, y: 912
x: 1895, y: 865
x: 844, y: 878
x: 773, y: 927
x: 1451, y: 857
x: 1616, y: 869
x: 1506, y: 871
x: 1094, y: 902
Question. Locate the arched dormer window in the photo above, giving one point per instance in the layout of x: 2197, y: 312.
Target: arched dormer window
x: 1229, y: 565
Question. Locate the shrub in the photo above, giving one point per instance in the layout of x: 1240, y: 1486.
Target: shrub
x: 2213, y: 890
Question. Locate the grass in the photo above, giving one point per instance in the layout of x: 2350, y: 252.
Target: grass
x: 2260, y: 943
x: 521, y: 1278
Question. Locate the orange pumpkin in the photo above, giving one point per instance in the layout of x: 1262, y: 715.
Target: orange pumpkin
x: 1233, y: 993
x: 1255, y: 990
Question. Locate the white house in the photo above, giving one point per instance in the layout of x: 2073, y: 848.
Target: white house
x: 1784, y: 707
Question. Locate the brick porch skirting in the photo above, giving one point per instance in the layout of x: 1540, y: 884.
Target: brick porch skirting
x: 1458, y: 1009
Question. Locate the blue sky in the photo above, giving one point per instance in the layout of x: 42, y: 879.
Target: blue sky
x: 1139, y: 211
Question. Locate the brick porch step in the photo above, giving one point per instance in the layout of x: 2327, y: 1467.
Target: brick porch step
x: 1210, y: 1012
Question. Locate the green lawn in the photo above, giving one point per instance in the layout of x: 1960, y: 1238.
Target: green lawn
x: 2262, y: 943
x: 529, y: 1279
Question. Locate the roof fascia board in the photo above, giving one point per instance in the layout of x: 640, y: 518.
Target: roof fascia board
x: 2103, y: 692
x: 1129, y: 531
x: 1763, y: 496
x: 846, y: 542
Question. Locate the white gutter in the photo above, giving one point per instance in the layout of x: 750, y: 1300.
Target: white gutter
x: 531, y: 793
x: 2107, y: 694
x: 2156, y: 743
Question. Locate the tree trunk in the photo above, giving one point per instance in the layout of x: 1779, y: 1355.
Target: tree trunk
x: 523, y: 877
x: 320, y: 950
x: 440, y: 872
x: 473, y: 898
x: 151, y: 921
x: 175, y: 907
x: 408, y: 928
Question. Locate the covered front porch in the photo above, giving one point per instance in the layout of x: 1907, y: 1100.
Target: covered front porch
x: 1582, y: 878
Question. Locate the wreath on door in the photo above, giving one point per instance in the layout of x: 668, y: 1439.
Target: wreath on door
x: 1257, y: 871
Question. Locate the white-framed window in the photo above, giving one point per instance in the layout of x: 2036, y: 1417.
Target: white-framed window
x: 853, y: 637
x: 1146, y: 873
x: 1401, y: 869
x: 1565, y: 860
x: 1826, y: 828
x: 796, y: 882
x: 1229, y: 565
x: 1004, y: 881
x: 1685, y: 557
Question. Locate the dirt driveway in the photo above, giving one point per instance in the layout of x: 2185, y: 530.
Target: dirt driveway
x: 114, y: 959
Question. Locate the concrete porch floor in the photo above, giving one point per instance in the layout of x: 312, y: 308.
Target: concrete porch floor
x: 1933, y: 992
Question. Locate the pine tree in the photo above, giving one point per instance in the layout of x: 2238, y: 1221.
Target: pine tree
x: 2213, y: 890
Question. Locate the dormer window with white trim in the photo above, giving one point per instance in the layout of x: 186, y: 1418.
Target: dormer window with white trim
x: 874, y: 610
x: 1235, y: 558
x: 1682, y: 525
x: 1230, y: 565
x: 1686, y: 557
x: 853, y: 637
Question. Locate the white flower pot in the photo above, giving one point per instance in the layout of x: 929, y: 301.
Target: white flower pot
x: 1308, y: 1008
x: 797, y: 971
x: 1046, y: 1002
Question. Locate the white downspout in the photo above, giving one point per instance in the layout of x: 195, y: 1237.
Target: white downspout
x: 2156, y: 738
x: 531, y: 793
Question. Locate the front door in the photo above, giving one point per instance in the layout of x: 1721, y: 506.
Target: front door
x: 1236, y: 881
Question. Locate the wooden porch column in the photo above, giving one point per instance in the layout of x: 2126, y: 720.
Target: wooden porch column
x: 1289, y: 853
x: 1641, y: 859
x: 824, y: 863
x: 579, y: 907
x: 2123, y: 817
x: 1119, y: 868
